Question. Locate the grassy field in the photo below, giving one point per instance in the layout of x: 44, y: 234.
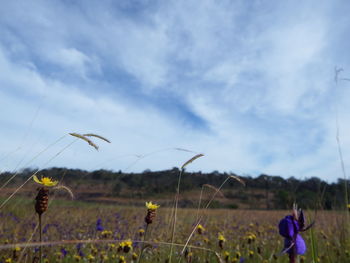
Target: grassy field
x: 90, y: 232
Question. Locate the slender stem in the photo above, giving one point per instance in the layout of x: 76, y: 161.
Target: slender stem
x: 143, y: 245
x: 292, y: 258
x: 199, y: 203
x: 40, y: 239
x: 175, y: 215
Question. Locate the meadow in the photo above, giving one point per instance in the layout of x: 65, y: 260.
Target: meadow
x: 36, y: 225
x: 76, y: 231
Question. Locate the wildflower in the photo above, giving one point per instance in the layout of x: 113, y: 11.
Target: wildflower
x: 64, y: 252
x: 226, y: 256
x: 90, y: 257
x: 141, y: 232
x: 111, y: 245
x: 151, y: 206
x: 106, y: 233
x: 125, y: 246
x: 222, y: 240
x: 289, y: 228
x: 77, y: 258
x: 134, y: 256
x: 45, y: 181
x: 8, y: 260
x: 122, y: 259
x: 251, y: 253
x: 200, y: 229
x: 238, y: 255
x: 250, y: 238
x: 348, y: 206
x: 99, y: 226
x: 151, y: 212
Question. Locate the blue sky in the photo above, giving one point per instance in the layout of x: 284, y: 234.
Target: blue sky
x: 248, y: 83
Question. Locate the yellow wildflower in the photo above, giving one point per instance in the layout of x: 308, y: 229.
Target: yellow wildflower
x: 141, y: 232
x: 8, y: 260
x: 134, y: 256
x: 221, y: 237
x: 349, y: 206
x: 151, y: 206
x: 106, y: 233
x: 122, y: 259
x: 17, y: 248
x: 200, y: 229
x: 125, y: 246
x: 46, y: 181
x: 77, y: 258
x: 238, y: 255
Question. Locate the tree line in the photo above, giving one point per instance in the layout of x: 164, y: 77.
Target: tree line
x: 261, y: 192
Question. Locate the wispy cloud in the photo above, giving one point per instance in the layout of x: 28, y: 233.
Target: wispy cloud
x: 249, y: 84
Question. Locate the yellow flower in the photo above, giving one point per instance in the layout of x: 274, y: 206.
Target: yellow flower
x: 9, y: 260
x: 46, y: 181
x: 349, y: 206
x: 77, y: 257
x: 126, y: 246
x: 17, y: 248
x: 91, y: 257
x: 122, y: 259
x: 221, y: 237
x: 134, y: 256
x: 106, y: 233
x: 200, y: 229
x: 111, y: 245
x: 151, y: 206
x: 238, y: 255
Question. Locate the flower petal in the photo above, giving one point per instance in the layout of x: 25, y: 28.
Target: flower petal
x: 286, y: 227
x: 300, y: 245
x: 36, y: 179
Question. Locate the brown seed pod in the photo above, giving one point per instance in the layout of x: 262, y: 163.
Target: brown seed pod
x: 42, y: 200
x: 151, y: 214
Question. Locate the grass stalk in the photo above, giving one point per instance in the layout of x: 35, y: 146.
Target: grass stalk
x: 143, y: 244
x: 175, y: 214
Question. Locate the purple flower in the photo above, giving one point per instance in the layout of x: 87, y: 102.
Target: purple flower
x: 289, y: 228
x: 64, y: 252
x: 99, y: 226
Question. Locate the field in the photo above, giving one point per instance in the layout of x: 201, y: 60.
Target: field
x: 76, y: 231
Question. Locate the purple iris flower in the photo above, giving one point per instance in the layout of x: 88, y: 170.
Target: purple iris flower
x: 99, y: 226
x: 289, y: 228
x: 64, y: 252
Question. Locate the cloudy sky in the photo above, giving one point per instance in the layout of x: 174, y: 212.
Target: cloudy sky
x: 248, y: 83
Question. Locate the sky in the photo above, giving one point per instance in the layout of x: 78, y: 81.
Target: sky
x: 250, y: 84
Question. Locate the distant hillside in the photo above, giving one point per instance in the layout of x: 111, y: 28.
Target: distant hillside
x: 262, y: 192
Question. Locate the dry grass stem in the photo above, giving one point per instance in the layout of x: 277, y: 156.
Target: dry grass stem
x: 85, y: 139
x: 191, y: 160
x: 97, y: 136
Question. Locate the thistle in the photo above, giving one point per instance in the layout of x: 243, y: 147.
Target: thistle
x: 42, y: 201
x: 151, y: 214
x: 289, y: 228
